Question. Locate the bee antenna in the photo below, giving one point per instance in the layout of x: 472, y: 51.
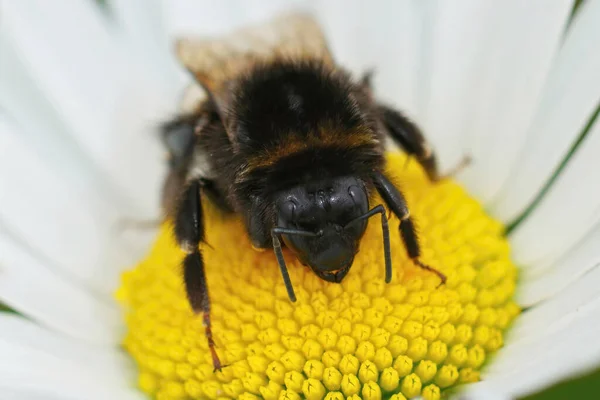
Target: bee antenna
x: 275, y: 232
x: 387, y: 253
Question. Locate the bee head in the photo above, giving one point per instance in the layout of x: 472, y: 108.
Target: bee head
x: 328, y: 209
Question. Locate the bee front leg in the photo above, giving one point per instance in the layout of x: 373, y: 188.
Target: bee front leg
x: 395, y: 201
x: 189, y: 232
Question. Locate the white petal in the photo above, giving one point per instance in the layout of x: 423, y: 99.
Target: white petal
x: 555, y: 313
x: 20, y: 332
x: 43, y: 130
x: 569, y: 100
x: 141, y: 24
x: 209, y: 18
x: 534, y: 288
x: 12, y: 394
x: 381, y: 36
x: 514, y: 61
x: 565, y: 351
x: 105, y: 99
x: 29, y: 366
x: 30, y: 371
x: 142, y: 31
x: 568, y: 211
x: 260, y: 10
x: 460, y: 32
x: 54, y: 300
x: 203, y: 17
x: 62, y: 222
x: 481, y: 391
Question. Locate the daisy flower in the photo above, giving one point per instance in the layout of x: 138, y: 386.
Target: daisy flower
x: 516, y: 85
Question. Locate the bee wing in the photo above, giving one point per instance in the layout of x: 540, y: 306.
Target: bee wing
x: 216, y: 62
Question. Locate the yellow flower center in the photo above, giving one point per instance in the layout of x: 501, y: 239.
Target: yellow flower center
x: 358, y: 339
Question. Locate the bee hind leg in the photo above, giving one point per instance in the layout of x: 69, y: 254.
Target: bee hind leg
x: 395, y: 201
x: 189, y: 232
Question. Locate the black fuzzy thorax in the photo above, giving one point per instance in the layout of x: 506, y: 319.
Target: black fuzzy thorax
x: 297, y: 98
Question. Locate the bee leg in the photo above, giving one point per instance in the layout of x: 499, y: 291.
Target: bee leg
x: 189, y: 232
x: 178, y: 136
x: 394, y: 199
x: 408, y: 136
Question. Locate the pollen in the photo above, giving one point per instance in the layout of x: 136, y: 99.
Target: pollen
x: 362, y: 338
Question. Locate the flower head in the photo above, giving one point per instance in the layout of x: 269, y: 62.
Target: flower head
x: 361, y: 337
x: 513, y: 84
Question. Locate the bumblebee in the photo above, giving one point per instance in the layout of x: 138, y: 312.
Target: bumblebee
x: 291, y: 143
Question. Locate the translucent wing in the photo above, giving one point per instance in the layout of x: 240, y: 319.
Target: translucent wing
x: 216, y: 62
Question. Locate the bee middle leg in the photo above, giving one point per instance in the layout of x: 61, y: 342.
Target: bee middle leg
x: 407, y: 135
x: 394, y: 199
x: 189, y: 232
